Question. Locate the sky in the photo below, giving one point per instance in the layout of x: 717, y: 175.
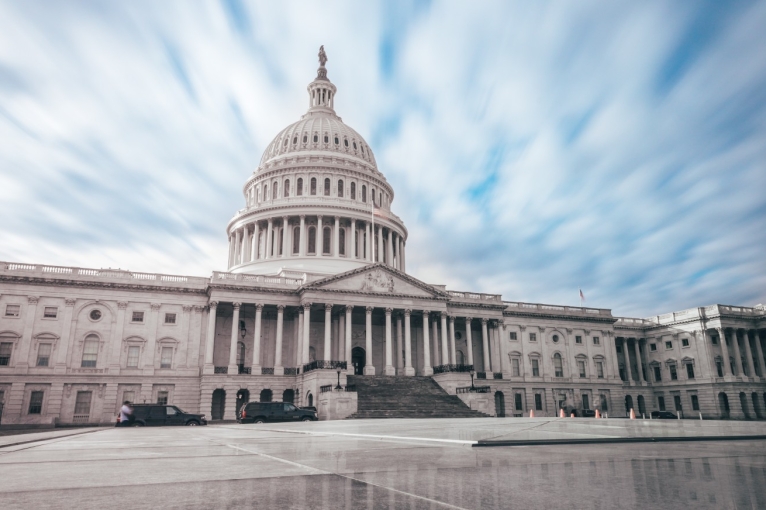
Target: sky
x: 535, y: 148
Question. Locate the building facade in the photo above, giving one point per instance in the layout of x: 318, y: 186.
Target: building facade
x: 316, y: 288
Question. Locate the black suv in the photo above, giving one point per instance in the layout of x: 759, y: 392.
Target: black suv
x: 260, y: 412
x: 153, y: 415
x: 663, y: 415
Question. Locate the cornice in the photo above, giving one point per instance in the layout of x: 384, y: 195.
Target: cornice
x: 576, y: 318
x: 324, y: 167
x: 379, y: 265
x: 101, y: 285
x: 303, y: 290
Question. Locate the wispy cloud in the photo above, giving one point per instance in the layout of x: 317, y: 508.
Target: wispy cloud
x: 534, y: 148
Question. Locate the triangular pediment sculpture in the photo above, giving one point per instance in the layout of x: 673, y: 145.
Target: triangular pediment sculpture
x: 376, y: 279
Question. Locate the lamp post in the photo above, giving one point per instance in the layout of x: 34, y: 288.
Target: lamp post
x: 338, y: 386
x: 472, y: 374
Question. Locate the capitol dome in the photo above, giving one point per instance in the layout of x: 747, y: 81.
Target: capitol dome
x: 309, y: 204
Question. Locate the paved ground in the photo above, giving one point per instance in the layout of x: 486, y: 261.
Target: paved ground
x: 386, y: 464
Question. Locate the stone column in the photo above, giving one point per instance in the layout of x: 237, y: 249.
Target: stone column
x: 380, y: 244
x: 22, y: 360
x: 408, y: 368
x: 320, y: 237
x: 237, y: 247
x: 299, y: 340
x: 638, y: 360
x: 737, y: 353
x: 210, y: 339
x: 452, y: 349
x: 278, y: 368
x: 151, y: 341
x: 399, y: 254
x: 269, y: 233
x: 327, y: 332
x: 256, y: 365
x: 369, y: 369
x: 254, y: 243
x: 612, y: 354
x: 285, y: 236
x: 354, y: 246
x: 724, y: 351
x: 759, y: 352
x: 626, y: 355
x: 469, y: 340
x: 306, y: 331
x: 66, y: 335
x: 389, y: 368
x: 231, y: 250
x: 302, y: 248
x: 435, y: 340
x: 404, y: 258
x: 234, y: 339
x: 427, y: 370
x: 748, y: 353
x: 485, y: 345
x: 349, y: 365
x: 493, y: 345
x: 192, y: 354
x: 399, y: 345
x: 336, y: 238
x: 390, y: 249
x: 368, y: 242
x: 245, y: 244
x: 186, y: 342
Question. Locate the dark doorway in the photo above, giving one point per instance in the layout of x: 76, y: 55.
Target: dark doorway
x: 310, y: 399
x: 641, y: 405
x: 500, y: 404
x: 266, y: 395
x: 756, y: 405
x: 243, y: 397
x: 723, y: 403
x: 358, y: 359
x: 743, y: 403
x: 628, y: 404
x: 288, y: 396
x: 219, y: 404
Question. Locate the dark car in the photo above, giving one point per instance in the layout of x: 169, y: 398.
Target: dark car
x: 663, y: 415
x: 588, y: 413
x: 260, y: 412
x: 155, y: 415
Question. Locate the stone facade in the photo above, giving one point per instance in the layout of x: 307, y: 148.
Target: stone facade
x: 316, y: 288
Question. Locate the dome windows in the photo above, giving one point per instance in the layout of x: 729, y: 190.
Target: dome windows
x: 295, y: 140
x: 345, y: 142
x: 274, y: 190
x: 299, y: 187
x: 316, y: 138
x: 342, y: 242
x: 296, y: 240
x: 285, y: 144
x: 364, y: 193
x: 326, y: 237
x: 305, y: 138
x: 337, y: 140
x: 326, y: 138
x: 286, y: 188
x: 313, y: 186
x: 327, y: 187
x: 265, y: 192
x: 340, y: 188
x: 354, y: 145
x: 353, y: 191
x: 312, y: 240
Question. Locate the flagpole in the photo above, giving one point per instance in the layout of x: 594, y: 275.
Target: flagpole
x: 372, y: 216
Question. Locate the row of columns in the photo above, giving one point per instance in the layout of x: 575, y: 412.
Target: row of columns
x: 755, y: 366
x: 244, y: 243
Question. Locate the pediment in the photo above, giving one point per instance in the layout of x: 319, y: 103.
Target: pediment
x: 376, y: 279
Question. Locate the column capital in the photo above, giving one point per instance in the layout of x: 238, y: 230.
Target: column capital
x: 425, y: 314
x: 389, y: 311
x: 468, y: 320
x: 451, y: 318
x: 32, y: 300
x: 407, y: 312
x: 70, y: 301
x: 285, y: 218
x: 522, y: 328
x: 236, y: 305
x: 337, y: 218
x: 443, y: 314
x: 155, y: 306
x: 541, y: 329
x: 349, y: 308
x: 185, y: 308
x: 259, y: 307
x: 280, y: 308
x: 307, y: 306
x: 213, y: 305
x: 303, y: 217
x: 198, y: 308
x: 122, y: 305
x: 328, y: 307
x: 484, y: 321
x: 369, y: 309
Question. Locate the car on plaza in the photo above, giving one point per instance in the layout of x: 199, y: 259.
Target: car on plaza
x: 157, y: 415
x: 588, y: 413
x: 663, y: 415
x: 261, y: 412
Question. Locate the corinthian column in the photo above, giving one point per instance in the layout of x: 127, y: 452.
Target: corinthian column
x: 390, y: 249
x: 408, y: 369
x: 726, y: 362
x: 427, y: 370
x: 485, y: 345
x: 349, y: 365
x: 233, y: 341
x: 320, y: 237
x: 278, y: 368
x: 254, y: 243
x: 327, y: 332
x: 210, y: 339
x: 389, y: 368
x: 369, y: 369
x: 354, y: 245
x: 306, y: 331
x: 256, y: 365
x: 468, y: 341
x: 269, y: 244
x: 336, y: 238
x: 445, y: 341
x: 452, y: 348
x: 302, y: 249
x: 285, y: 235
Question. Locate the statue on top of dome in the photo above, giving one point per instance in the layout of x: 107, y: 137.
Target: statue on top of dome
x: 322, y: 56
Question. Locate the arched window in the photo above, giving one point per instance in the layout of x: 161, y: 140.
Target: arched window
x: 313, y: 186
x: 286, y: 188
x: 364, y: 193
x: 327, y: 187
x: 265, y: 192
x: 342, y: 242
x: 354, y: 145
x: 299, y: 187
x: 353, y: 191
x: 340, y: 189
x: 295, y: 139
x: 259, y: 194
x: 326, y: 138
x: 326, y: 235
x: 380, y: 199
x: 312, y: 240
x: 296, y: 240
x: 337, y: 140
x: 281, y: 241
x: 274, y: 190
x: 345, y: 142
x: 266, y: 395
x: 557, y: 366
x: 90, y: 351
x: 316, y: 138
x: 240, y: 353
x: 305, y: 138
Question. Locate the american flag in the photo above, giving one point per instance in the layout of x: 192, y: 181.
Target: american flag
x: 582, y: 296
x: 379, y: 211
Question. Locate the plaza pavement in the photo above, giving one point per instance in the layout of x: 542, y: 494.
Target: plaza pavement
x: 389, y: 464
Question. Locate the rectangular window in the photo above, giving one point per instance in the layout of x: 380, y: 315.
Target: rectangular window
x: 130, y: 396
x: 50, y: 312
x: 43, y: 355
x: 604, y: 406
x: 170, y: 318
x: 517, y: 401
x: 714, y: 339
x: 515, y: 366
x: 167, y: 357
x: 513, y: 335
x: 133, y: 353
x: 538, y: 402
x: 719, y: 368
x: 581, y: 368
x: 695, y: 403
x: 668, y: 345
x: 690, y: 371
x: 657, y: 374
x: 12, y: 310
x: 600, y: 369
x: 36, y: 402
x: 578, y: 339
x: 533, y: 337
x: 684, y: 342
x: 162, y: 398
x: 673, y: 373
x: 535, y: 368
x: 5, y: 353
x: 661, y: 403
x: 596, y: 340
x: 82, y: 403
x: 677, y: 402
x: 619, y: 349
x: 652, y: 347
x: 89, y: 353
x: 585, y: 401
x: 137, y: 317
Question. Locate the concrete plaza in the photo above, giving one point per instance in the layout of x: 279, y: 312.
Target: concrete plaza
x: 388, y: 464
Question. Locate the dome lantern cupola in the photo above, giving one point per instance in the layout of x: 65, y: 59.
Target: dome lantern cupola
x: 321, y: 90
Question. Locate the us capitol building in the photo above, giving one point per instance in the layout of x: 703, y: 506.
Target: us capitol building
x: 317, y: 290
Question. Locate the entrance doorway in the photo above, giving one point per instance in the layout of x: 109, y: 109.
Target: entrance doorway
x: 641, y: 405
x: 499, y: 404
x: 358, y: 359
x: 628, y: 404
x: 219, y: 404
x: 266, y: 395
x: 243, y: 397
x: 288, y: 396
x: 723, y: 404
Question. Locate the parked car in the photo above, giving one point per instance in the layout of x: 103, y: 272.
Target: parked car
x: 663, y: 415
x: 155, y: 415
x: 588, y: 413
x: 260, y: 412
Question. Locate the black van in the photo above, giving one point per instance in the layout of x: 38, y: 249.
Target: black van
x: 260, y: 412
x: 155, y: 415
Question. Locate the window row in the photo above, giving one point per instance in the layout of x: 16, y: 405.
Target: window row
x: 558, y: 366
x: 272, y: 191
x: 513, y: 335
x: 317, y: 140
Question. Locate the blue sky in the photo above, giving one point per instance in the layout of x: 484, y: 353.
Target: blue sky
x: 535, y: 147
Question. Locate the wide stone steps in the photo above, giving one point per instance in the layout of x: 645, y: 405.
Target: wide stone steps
x: 406, y: 397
